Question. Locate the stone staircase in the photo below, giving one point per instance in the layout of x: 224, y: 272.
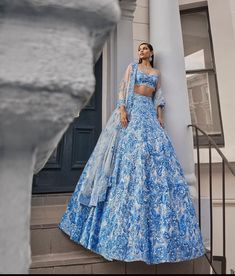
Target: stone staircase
x: 54, y: 253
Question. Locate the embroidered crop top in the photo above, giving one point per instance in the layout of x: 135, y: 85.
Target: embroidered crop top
x: 149, y: 80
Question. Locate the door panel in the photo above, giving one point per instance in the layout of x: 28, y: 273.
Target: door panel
x: 64, y: 167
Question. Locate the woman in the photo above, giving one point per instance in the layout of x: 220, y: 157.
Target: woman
x: 132, y: 202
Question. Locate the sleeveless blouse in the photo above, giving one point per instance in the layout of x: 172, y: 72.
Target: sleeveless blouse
x: 149, y: 80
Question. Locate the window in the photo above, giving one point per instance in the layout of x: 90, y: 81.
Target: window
x: 201, y: 74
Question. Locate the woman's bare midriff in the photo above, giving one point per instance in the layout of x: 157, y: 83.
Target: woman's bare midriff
x: 143, y: 90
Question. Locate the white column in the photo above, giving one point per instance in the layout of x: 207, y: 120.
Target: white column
x: 166, y: 38
x: 16, y: 169
x: 117, y: 54
x: 124, y: 37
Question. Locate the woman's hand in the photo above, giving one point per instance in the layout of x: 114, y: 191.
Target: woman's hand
x: 123, y: 118
x: 160, y: 119
x: 160, y: 116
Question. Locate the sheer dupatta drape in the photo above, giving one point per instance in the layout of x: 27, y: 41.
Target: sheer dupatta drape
x: 94, y: 180
x: 158, y: 98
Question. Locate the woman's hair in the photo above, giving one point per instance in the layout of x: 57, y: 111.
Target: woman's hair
x: 150, y: 48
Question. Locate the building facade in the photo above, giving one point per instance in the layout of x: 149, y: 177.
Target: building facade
x: 208, y: 57
x: 194, y: 44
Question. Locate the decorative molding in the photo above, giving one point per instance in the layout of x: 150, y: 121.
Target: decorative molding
x: 90, y: 13
x: 128, y: 8
x: 193, y: 5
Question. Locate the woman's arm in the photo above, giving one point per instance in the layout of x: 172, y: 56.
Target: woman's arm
x: 159, y: 101
x: 160, y: 116
x: 122, y: 96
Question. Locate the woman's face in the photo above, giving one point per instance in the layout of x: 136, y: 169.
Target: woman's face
x: 144, y: 51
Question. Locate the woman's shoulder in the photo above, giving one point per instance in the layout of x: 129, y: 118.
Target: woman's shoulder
x: 156, y: 71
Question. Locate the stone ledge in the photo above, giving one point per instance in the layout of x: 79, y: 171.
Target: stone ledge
x: 102, y: 12
x: 50, y: 199
x: 64, y: 259
x: 43, y: 226
x: 46, y: 216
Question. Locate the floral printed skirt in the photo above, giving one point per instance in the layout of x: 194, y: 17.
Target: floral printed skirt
x: 148, y: 214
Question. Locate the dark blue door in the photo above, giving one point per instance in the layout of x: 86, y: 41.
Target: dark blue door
x: 65, y: 165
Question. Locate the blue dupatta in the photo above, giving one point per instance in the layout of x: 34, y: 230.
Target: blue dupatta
x: 95, y: 178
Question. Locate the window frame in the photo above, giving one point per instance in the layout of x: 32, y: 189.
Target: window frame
x: 218, y: 138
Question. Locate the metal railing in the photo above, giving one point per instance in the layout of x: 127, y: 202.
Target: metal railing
x: 211, y: 258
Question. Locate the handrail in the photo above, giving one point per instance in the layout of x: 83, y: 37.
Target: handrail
x: 216, y: 147
x: 211, y: 143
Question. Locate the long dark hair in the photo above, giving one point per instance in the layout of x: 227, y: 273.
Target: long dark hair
x: 150, y: 48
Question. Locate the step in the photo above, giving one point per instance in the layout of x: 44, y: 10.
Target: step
x: 52, y: 240
x: 62, y: 259
x: 50, y: 199
x: 87, y: 263
x: 53, y: 252
x: 41, y: 216
x: 70, y: 262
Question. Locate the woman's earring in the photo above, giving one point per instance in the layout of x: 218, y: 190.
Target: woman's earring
x: 150, y: 58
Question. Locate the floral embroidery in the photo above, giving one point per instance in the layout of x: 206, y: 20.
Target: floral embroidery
x: 149, y: 80
x: 148, y: 213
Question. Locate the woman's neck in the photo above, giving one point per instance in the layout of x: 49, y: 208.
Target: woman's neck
x: 146, y: 63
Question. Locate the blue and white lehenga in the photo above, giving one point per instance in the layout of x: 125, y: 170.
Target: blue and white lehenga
x: 132, y: 202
